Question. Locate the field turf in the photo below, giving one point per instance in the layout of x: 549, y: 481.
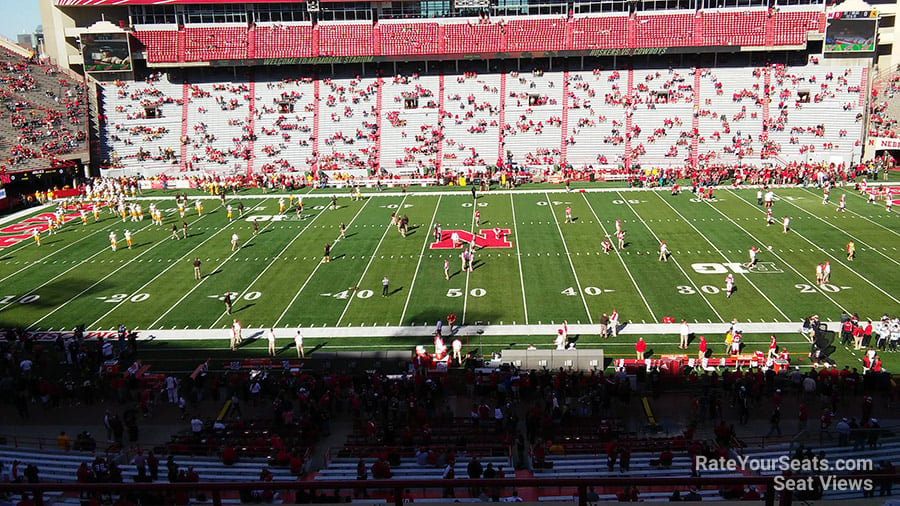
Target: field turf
x: 552, y: 271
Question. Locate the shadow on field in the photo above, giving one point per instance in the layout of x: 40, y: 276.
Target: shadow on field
x: 50, y: 296
x: 248, y: 306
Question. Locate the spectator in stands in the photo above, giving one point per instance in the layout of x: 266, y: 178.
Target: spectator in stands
x: 381, y: 470
x: 473, y: 471
x: 62, y: 441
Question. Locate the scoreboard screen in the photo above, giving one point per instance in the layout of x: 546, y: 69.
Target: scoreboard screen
x: 106, y: 52
x: 851, y: 32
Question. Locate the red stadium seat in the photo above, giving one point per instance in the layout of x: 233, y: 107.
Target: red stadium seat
x: 472, y: 37
x: 668, y: 30
x: 593, y: 32
x: 408, y: 38
x: 346, y: 39
x: 159, y: 45
x: 215, y: 43
x: 284, y: 41
x: 536, y: 34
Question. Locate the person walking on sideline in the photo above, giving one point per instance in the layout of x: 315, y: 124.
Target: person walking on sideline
x: 227, y: 301
x: 298, y: 343
x: 270, y: 336
x: 236, y: 338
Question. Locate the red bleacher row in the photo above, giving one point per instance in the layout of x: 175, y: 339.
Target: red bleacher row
x: 553, y: 33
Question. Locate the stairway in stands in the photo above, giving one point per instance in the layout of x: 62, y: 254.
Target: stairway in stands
x: 251, y: 122
x: 439, y: 162
x: 315, y: 124
x: 501, y: 150
x: 695, y: 119
x: 863, y: 87
x: 564, y: 129
x: 767, y: 91
x: 379, y: 92
x: 185, y: 104
x: 629, y: 95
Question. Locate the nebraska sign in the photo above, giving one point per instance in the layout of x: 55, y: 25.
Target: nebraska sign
x: 490, y: 238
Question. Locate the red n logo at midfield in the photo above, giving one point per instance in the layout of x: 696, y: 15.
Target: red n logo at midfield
x: 486, y: 238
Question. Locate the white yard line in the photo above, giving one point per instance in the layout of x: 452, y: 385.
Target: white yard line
x: 838, y: 261
x: 37, y: 262
x: 677, y: 263
x: 619, y: 255
x: 126, y: 264
x: 186, y: 255
x: 848, y: 234
x: 419, y: 263
x: 369, y: 264
x: 515, y: 229
x: 688, y: 222
x: 776, y: 255
x: 316, y: 268
x: 273, y: 262
x: 229, y: 257
x: 569, y: 258
x: 70, y: 269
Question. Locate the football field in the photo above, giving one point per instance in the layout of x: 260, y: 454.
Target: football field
x: 530, y: 266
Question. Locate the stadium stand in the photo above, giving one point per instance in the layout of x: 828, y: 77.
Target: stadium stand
x: 667, y: 118
x: 43, y: 114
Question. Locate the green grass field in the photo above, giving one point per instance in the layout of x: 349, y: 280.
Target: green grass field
x: 553, y: 271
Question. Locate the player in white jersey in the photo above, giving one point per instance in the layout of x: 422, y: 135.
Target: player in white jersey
x: 181, y: 209
x: 112, y: 240
x: 568, y: 214
x: 198, y: 205
x: 281, y: 205
x: 614, y: 323
x: 234, y: 241
x: 826, y: 272
x: 752, y: 253
x: 842, y: 203
x: 786, y: 224
x: 769, y: 218
x: 128, y: 238
x: 768, y: 198
x: 447, y: 269
x: 562, y: 336
x: 229, y: 212
x: 618, y: 226
x: 663, y: 252
x: 37, y: 236
x: 888, y: 202
x: 621, y: 238
x: 825, y: 192
x: 729, y: 286
x: 607, y: 246
x: 819, y: 275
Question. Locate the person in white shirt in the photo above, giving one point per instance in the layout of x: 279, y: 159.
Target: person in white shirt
x: 786, y: 224
x: 457, y: 350
x: 614, y: 323
x: 298, y: 343
x: 270, y: 336
x: 236, y: 338
x: 684, y: 333
x: 663, y: 252
x: 729, y: 286
x: 234, y: 241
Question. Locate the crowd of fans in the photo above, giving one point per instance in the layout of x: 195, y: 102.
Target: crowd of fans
x: 43, y: 111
